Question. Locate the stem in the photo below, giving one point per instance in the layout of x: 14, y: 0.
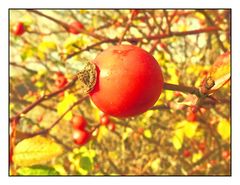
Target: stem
x: 43, y: 98
x: 182, y: 88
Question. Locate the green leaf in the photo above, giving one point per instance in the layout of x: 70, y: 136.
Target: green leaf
x: 37, y: 170
x: 85, y: 163
x: 35, y: 150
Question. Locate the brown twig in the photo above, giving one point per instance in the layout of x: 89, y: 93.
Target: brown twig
x: 182, y: 88
x: 153, y: 37
x: 43, y: 98
x: 65, y: 25
x: 211, y: 23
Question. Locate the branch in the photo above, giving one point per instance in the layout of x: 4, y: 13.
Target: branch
x: 23, y: 67
x: 211, y: 22
x: 45, y: 131
x: 154, y: 37
x: 43, y: 98
x: 182, y: 88
x: 65, y: 25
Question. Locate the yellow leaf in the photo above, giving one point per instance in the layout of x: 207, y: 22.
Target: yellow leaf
x: 68, y: 100
x: 155, y: 165
x: 190, y: 129
x: 35, y: 150
x: 47, y: 45
x: 101, y: 133
x: 221, y: 66
x: 196, y: 157
x: 177, y: 139
x: 223, y: 129
x: 60, y: 169
x: 147, y: 133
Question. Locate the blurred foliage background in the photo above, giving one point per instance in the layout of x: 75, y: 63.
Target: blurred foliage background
x: 179, y: 136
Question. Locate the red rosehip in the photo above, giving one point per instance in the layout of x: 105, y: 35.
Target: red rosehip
x: 60, y: 80
x: 186, y: 153
x: 134, y: 13
x: 177, y: 94
x: 104, y: 120
x: 111, y: 126
x: 78, y: 122
x: 80, y: 137
x: 129, y: 81
x: 19, y: 29
x: 191, y: 116
x: 140, y: 130
x: 202, y: 146
x: 75, y: 27
x: 226, y: 154
x: 194, y: 108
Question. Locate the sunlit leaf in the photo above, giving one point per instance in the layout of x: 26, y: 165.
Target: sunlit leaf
x: 68, y: 100
x: 220, y: 71
x: 155, y: 165
x: 60, y: 169
x: 127, y: 133
x: 190, y: 129
x: 223, y: 129
x: 196, y: 157
x: 147, y: 133
x: 177, y: 139
x: 36, y: 150
x: 101, y: 133
x: 37, y: 170
x: 47, y: 45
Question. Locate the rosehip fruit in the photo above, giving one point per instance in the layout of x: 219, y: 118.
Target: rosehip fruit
x: 111, y: 126
x: 80, y: 137
x: 186, y: 153
x: 226, y: 154
x: 140, y: 130
x: 104, y: 120
x: 19, y: 29
x: 202, y: 146
x: 78, y: 122
x: 191, y: 116
x: 60, y: 80
x: 129, y: 81
x: 75, y: 27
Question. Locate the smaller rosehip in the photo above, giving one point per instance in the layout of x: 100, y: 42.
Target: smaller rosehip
x: 75, y: 27
x: 40, y: 118
x: 202, y: 146
x: 111, y: 126
x: 177, y: 94
x: 19, y: 29
x: 194, y: 108
x: 191, y: 116
x: 140, y: 130
x: 134, y: 13
x: 186, y: 153
x: 78, y: 122
x: 60, y: 80
x: 81, y: 137
x: 226, y: 154
x: 104, y: 120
